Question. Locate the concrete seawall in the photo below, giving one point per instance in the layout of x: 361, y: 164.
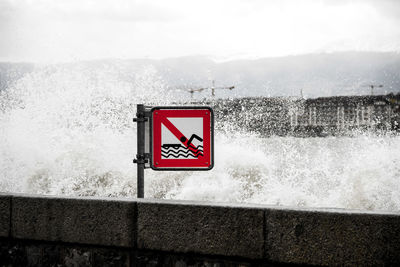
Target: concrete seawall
x: 42, y: 230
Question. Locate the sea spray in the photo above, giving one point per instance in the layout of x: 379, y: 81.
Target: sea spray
x: 67, y: 130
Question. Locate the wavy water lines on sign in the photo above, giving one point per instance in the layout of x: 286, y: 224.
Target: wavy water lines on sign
x: 178, y: 150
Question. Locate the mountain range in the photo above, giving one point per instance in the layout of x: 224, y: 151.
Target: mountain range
x: 313, y: 75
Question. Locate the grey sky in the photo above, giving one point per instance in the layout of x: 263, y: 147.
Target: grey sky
x: 52, y: 31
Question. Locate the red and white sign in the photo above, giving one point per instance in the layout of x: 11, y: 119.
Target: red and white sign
x: 182, y: 138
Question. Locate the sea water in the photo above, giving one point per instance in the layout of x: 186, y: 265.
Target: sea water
x: 67, y: 130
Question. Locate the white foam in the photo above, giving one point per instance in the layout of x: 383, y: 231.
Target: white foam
x: 67, y: 130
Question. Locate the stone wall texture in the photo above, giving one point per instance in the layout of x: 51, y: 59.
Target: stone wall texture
x: 5, y: 215
x: 48, y: 231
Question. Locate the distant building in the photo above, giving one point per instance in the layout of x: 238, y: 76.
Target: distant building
x: 304, y: 117
x: 343, y: 113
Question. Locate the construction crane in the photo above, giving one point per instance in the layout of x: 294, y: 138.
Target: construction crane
x: 372, y: 86
x: 212, y: 88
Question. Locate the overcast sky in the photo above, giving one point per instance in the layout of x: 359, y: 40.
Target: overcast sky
x: 71, y: 30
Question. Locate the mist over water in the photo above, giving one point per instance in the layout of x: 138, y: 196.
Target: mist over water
x: 67, y: 130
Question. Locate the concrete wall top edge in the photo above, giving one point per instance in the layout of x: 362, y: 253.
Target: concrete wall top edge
x: 111, y: 199
x: 266, y: 207
x: 208, y: 203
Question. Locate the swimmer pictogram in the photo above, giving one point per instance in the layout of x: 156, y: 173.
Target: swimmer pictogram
x: 178, y: 150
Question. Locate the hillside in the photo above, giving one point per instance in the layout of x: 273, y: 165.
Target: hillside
x: 345, y: 73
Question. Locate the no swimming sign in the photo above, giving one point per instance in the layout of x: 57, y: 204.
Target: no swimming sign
x: 182, y: 138
x: 173, y: 139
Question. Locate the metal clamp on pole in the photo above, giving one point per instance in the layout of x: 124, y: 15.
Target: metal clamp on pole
x: 141, y: 158
x: 140, y: 119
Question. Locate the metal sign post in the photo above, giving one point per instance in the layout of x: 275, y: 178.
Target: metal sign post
x: 140, y: 156
x: 178, y: 138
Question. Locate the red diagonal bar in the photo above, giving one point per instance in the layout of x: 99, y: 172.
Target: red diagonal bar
x: 175, y: 131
